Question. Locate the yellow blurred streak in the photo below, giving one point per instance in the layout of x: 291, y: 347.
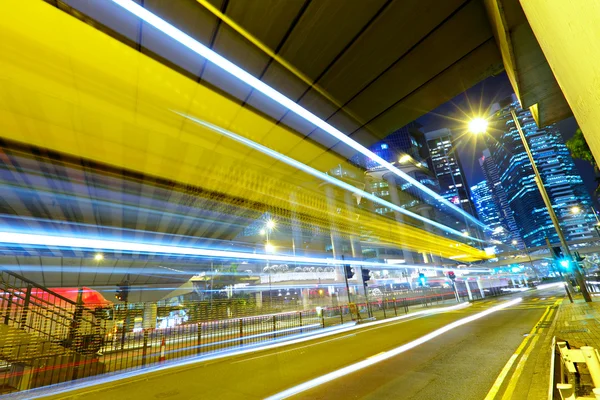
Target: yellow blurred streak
x: 68, y: 87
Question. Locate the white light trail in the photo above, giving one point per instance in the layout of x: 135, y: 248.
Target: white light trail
x: 551, y: 285
x: 87, y: 383
x: 388, y: 354
x: 257, y: 84
x: 28, y: 239
x: 325, y: 177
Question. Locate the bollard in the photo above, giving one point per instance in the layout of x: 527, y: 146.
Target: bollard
x: 395, y: 310
x: 163, y: 345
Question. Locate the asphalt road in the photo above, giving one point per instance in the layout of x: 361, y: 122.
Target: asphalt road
x: 462, y: 363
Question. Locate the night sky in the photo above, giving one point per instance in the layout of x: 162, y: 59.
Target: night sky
x: 455, y: 114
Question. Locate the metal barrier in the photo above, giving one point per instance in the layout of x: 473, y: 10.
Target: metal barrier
x: 45, y: 338
x: 67, y: 341
x: 575, y: 371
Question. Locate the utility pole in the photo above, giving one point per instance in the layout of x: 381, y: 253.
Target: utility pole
x: 538, y: 180
x: 568, y: 287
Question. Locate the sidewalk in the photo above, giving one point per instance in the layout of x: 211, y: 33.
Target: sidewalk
x: 577, y: 323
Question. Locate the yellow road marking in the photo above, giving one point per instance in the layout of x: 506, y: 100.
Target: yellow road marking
x: 547, y: 316
x: 512, y: 385
x: 507, y: 367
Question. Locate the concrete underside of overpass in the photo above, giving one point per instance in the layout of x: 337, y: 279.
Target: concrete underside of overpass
x: 381, y: 64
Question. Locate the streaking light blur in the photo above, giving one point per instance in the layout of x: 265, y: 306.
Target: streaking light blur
x: 257, y: 84
x: 388, y: 354
x: 328, y: 178
x: 114, y: 245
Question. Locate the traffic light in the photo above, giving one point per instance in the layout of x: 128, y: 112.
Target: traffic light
x: 557, y: 253
x: 365, y: 274
x: 422, y: 279
x: 122, y: 292
x: 566, y: 264
x: 349, y: 271
x: 451, y: 275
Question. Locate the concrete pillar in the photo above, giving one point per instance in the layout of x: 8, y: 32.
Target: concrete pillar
x: 259, y: 299
x: 336, y: 240
x: 297, y: 239
x: 393, y: 189
x: 480, y: 287
x: 425, y: 211
x: 568, y: 34
x: 469, y: 290
x: 149, y: 320
x: 305, y: 299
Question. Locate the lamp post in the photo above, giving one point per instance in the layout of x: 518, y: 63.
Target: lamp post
x: 269, y: 248
x: 577, y: 210
x: 479, y: 125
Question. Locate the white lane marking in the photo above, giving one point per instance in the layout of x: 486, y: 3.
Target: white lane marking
x: 388, y: 354
x: 294, y: 349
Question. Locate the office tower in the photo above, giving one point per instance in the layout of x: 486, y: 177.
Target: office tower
x: 445, y: 164
x: 489, y: 211
x: 559, y: 174
x: 507, y: 219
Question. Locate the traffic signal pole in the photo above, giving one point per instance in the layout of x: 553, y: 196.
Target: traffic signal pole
x: 538, y: 180
x: 346, y: 279
x: 568, y: 287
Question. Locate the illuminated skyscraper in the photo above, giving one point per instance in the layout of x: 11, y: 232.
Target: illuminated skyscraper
x: 559, y: 174
x: 498, y: 193
x: 488, y: 211
x: 446, y: 167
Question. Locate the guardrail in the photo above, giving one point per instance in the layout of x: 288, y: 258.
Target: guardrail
x: 575, y: 373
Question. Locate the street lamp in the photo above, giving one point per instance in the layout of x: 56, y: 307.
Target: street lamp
x: 478, y: 126
x: 575, y: 210
x: 269, y: 249
x: 98, y: 257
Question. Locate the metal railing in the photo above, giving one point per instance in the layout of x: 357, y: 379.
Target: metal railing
x: 41, y: 330
x: 90, y: 342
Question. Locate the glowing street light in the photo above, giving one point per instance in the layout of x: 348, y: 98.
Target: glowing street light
x: 271, y: 224
x: 478, y: 125
x: 98, y: 257
x: 269, y: 248
x: 575, y: 210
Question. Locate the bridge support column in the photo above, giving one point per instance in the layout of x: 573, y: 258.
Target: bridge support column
x: 480, y: 287
x: 468, y: 285
x: 568, y: 34
x: 149, y: 320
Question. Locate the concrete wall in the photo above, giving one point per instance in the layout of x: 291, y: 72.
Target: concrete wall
x: 569, y: 35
